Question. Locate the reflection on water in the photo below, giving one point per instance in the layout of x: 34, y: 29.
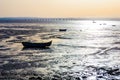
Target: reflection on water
x: 25, y: 48
x: 86, y: 51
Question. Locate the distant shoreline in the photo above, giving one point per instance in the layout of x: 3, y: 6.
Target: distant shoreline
x: 35, y: 19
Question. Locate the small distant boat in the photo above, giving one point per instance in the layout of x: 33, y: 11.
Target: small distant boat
x: 113, y: 25
x: 62, y: 29
x: 38, y: 45
x: 94, y: 21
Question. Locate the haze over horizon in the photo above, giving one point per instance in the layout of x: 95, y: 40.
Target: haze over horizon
x: 60, y: 8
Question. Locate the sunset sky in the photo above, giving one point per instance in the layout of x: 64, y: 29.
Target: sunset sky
x: 60, y: 8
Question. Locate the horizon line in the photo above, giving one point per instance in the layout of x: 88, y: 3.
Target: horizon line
x: 68, y: 17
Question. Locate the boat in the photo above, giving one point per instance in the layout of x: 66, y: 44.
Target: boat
x: 94, y: 21
x: 62, y: 29
x: 113, y: 25
x: 38, y: 45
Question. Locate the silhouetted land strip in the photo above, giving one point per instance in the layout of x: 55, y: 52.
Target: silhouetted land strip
x: 47, y: 20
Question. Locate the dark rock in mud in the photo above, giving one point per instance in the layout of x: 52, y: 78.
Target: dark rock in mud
x: 113, y: 72
x: 39, y: 78
x: 84, y: 77
x: 77, y: 78
x: 55, y: 79
x: 99, y: 76
x: 35, y: 78
x: 32, y: 78
x: 56, y: 76
x: 117, y: 73
x: 11, y: 78
x: 2, y: 73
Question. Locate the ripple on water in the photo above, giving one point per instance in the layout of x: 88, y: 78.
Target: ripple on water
x: 90, y: 54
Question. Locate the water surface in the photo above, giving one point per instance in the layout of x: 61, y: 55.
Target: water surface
x: 86, y: 51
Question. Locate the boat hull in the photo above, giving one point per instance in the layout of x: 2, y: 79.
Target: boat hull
x: 39, y: 45
x: 61, y: 30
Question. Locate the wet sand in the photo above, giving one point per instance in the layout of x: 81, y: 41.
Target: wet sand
x: 86, y: 51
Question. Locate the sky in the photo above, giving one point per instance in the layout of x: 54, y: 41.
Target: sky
x: 60, y: 8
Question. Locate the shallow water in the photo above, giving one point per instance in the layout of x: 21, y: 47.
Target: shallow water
x: 86, y: 51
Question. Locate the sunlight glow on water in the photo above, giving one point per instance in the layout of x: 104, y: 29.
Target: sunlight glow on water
x: 85, y: 46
